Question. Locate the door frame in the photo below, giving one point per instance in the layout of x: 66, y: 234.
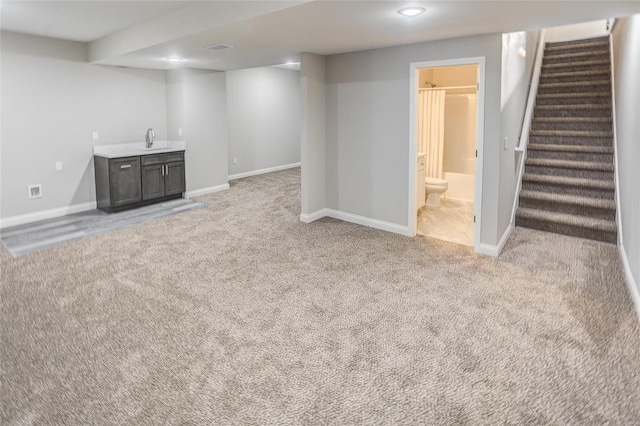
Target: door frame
x: 414, y: 70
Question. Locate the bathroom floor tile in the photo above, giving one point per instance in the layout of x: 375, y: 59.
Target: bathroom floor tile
x: 452, y: 221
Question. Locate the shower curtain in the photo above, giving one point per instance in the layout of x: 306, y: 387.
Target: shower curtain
x: 431, y: 130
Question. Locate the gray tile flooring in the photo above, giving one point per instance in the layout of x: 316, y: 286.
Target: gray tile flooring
x: 452, y: 221
x: 32, y: 237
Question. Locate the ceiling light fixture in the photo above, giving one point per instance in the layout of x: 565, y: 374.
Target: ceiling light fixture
x: 175, y: 59
x: 292, y: 63
x: 411, y: 11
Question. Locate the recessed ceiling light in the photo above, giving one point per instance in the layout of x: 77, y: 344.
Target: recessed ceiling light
x: 292, y: 63
x: 175, y: 59
x: 411, y: 11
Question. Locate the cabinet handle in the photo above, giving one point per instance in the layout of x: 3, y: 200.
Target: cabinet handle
x: 162, y: 167
x: 125, y: 166
x: 166, y: 168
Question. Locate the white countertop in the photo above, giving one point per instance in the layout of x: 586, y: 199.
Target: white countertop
x: 137, y: 148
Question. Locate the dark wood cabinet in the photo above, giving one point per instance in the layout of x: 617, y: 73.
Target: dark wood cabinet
x: 162, y: 175
x: 127, y: 182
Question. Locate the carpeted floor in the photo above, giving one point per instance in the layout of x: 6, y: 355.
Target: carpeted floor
x: 238, y: 313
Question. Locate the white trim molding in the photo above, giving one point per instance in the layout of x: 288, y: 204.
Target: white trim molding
x: 494, y: 251
x: 46, y: 214
x: 631, y: 282
x: 204, y: 191
x: 357, y: 219
x: 263, y: 171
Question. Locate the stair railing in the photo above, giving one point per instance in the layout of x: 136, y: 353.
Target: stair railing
x: 523, y: 141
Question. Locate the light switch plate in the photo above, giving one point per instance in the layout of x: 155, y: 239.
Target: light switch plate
x: 94, y: 135
x: 58, y: 166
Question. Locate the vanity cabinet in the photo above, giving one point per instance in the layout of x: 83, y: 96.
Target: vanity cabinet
x: 420, y: 194
x: 162, y: 175
x: 127, y: 182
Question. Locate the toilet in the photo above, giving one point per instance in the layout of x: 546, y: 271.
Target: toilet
x: 434, y: 187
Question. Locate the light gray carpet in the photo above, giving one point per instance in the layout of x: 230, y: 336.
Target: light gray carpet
x: 32, y: 237
x: 238, y: 313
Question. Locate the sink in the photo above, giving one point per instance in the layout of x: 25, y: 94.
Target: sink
x: 137, y: 148
x: 155, y: 148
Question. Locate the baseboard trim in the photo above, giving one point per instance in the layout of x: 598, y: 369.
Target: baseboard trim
x: 22, y: 219
x: 494, y: 251
x: 357, y: 219
x: 204, y: 191
x: 263, y: 171
x: 631, y: 282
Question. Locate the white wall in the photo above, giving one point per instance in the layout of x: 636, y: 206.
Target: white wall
x: 577, y: 31
x: 52, y: 100
x: 314, y: 178
x: 263, y: 107
x: 626, y: 43
x: 368, y: 129
x: 197, y: 104
x: 516, y: 74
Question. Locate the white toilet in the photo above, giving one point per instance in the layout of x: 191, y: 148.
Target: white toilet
x: 434, y: 187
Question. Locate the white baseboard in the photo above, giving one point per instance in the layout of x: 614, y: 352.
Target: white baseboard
x: 263, y: 171
x: 22, y: 219
x: 494, y: 251
x: 204, y: 191
x: 631, y: 282
x: 354, y: 218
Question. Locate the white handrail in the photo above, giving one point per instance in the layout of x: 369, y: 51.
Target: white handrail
x: 526, y: 122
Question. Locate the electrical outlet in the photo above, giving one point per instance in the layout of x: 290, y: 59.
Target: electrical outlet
x: 235, y: 160
x: 58, y: 166
x: 35, y: 191
x: 94, y: 135
x: 180, y: 132
x: 506, y: 143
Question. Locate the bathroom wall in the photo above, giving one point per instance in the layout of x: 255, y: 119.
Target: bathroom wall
x: 52, y: 101
x: 263, y: 107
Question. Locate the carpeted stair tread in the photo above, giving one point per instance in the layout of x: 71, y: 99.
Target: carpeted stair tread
x: 592, y: 63
x: 578, y: 54
x: 592, y: 149
x: 589, y: 73
x: 602, y: 39
x: 573, y: 119
x: 569, y: 164
x: 575, y: 84
x: 576, y: 95
x: 570, y: 181
x: 573, y: 133
x: 575, y: 200
x: 568, y: 219
x: 550, y: 47
x: 575, y: 106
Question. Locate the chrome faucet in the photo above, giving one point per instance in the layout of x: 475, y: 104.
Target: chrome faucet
x: 150, y: 137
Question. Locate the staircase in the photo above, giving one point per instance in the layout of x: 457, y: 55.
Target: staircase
x: 568, y: 184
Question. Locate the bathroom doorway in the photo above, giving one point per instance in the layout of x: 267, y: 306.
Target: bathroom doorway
x: 446, y: 127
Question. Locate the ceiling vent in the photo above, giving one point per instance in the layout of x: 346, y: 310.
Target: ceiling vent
x: 219, y: 46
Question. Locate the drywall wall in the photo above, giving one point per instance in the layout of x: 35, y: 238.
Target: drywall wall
x: 313, y: 137
x: 52, y: 101
x: 263, y: 107
x: 577, y: 31
x: 626, y: 45
x: 516, y: 74
x: 367, y: 95
x: 197, y: 104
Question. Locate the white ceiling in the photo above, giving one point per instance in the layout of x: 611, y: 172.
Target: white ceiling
x: 144, y: 33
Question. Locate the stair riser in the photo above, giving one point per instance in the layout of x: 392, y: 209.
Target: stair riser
x: 608, y: 237
x: 581, y: 58
x: 577, y: 66
x: 571, y: 156
x: 575, y: 49
x: 565, y: 172
x: 574, y: 78
x: 571, y: 125
x: 569, y: 140
x: 572, y: 112
x: 601, y: 39
x: 586, y: 88
x: 560, y: 207
x: 568, y: 99
x: 605, y: 194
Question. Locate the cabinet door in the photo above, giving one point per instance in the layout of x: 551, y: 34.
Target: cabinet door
x: 124, y: 175
x: 152, y: 182
x: 174, y: 178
